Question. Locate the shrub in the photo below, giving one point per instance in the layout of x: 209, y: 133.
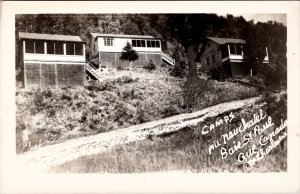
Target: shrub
x: 171, y: 111
x: 56, y: 114
x: 125, y: 79
x: 178, y: 70
x: 100, y: 86
x: 150, y: 66
x: 119, y: 68
x: 255, y: 79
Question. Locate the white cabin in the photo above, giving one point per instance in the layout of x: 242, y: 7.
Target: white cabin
x: 51, y: 59
x: 116, y: 42
x: 110, y: 46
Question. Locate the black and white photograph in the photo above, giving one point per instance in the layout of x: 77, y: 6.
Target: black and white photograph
x: 151, y: 93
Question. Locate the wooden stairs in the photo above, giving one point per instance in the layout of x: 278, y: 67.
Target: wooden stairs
x: 92, y: 71
x: 168, y: 59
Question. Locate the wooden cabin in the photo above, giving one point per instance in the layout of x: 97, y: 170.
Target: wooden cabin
x: 51, y: 59
x: 109, y: 47
x: 226, y: 55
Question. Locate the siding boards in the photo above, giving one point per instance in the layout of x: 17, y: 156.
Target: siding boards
x: 32, y: 73
x: 48, y: 74
x: 211, y: 49
x: 54, y: 74
x: 239, y: 69
x: 69, y: 74
x: 113, y: 60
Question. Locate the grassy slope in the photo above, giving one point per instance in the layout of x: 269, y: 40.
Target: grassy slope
x: 186, y: 150
x: 52, y: 115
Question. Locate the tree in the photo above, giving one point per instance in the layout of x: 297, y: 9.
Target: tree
x: 129, y: 54
x: 190, y: 30
x: 255, y: 48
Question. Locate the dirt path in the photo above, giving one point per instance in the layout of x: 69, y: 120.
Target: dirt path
x: 57, y: 154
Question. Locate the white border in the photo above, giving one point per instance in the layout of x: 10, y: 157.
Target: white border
x: 11, y: 180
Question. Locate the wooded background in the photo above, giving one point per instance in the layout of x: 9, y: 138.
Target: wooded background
x: 178, y: 33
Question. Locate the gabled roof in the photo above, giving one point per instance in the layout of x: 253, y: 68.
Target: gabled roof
x: 226, y: 40
x: 121, y: 36
x: 55, y: 37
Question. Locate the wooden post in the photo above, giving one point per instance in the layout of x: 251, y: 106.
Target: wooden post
x: 34, y: 51
x: 41, y: 77
x: 251, y: 72
x: 24, y: 47
x: 242, y: 50
x: 45, y: 47
x: 228, y: 51
x: 267, y: 53
x: 65, y: 50
x: 25, y: 79
x: 83, y: 45
x: 55, y: 71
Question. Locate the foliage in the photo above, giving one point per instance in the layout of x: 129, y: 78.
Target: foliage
x: 128, y: 53
x: 186, y: 150
x: 180, y: 32
x: 178, y: 69
x: 255, y: 48
x: 55, y: 114
x: 150, y: 66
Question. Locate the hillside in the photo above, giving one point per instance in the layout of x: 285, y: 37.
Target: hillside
x: 52, y: 115
x: 171, y: 29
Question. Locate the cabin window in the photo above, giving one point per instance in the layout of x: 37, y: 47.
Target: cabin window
x: 108, y: 42
x: 70, y: 48
x: 157, y: 44
x: 74, y: 48
x: 214, y: 58
x: 148, y: 43
x: 134, y: 43
x: 78, y: 49
x: 29, y: 47
x: 39, y: 47
x: 34, y: 47
x: 207, y: 61
x: 138, y: 43
x: 55, y: 48
x: 238, y: 50
x: 59, y: 48
x: 50, y: 48
x: 224, y: 51
x: 232, y: 49
x: 153, y: 43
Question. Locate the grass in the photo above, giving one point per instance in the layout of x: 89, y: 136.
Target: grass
x: 186, y: 150
x: 53, y: 115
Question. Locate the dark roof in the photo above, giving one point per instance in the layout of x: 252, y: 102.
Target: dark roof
x: 55, y: 37
x: 121, y: 36
x: 227, y: 40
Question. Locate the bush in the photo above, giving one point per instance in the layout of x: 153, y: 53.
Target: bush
x: 100, y: 86
x: 119, y: 68
x: 171, y: 111
x: 150, y: 66
x: 178, y: 70
x: 125, y: 79
x: 256, y: 79
x: 56, y: 114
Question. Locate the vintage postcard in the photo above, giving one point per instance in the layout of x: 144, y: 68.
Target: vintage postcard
x: 146, y: 96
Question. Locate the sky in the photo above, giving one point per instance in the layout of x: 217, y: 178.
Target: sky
x: 281, y: 18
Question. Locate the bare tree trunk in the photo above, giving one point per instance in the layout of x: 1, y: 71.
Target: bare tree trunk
x: 192, y: 75
x: 130, y: 66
